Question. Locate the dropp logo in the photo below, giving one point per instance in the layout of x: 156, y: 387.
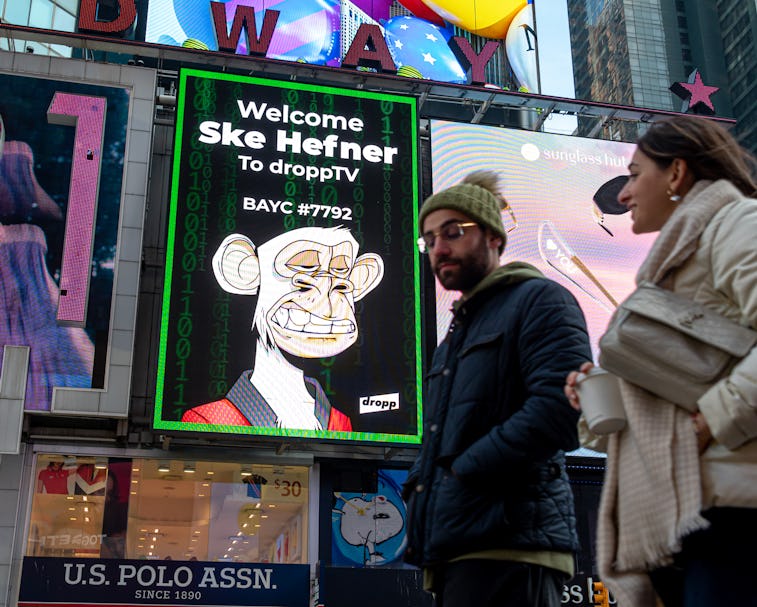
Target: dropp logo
x: 379, y: 402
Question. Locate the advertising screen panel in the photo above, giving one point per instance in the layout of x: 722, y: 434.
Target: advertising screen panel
x: 63, y: 166
x: 491, y: 42
x: 564, y: 216
x: 291, y: 296
x: 516, y: 45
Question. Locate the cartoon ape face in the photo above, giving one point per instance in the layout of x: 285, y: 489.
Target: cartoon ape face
x: 309, y: 280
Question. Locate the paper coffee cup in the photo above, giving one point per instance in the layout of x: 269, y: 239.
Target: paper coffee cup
x: 601, y: 403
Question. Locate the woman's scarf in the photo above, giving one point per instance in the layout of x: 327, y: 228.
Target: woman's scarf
x: 651, y: 496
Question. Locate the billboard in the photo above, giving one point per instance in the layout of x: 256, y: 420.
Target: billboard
x: 564, y: 217
x: 291, y: 296
x: 515, y: 45
x: 69, y: 281
x: 491, y: 42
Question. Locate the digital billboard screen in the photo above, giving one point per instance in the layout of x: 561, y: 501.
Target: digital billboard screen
x: 62, y: 151
x: 564, y: 219
x: 291, y: 296
x: 491, y: 42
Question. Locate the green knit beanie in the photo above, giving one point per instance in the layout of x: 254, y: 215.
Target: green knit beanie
x: 476, y: 202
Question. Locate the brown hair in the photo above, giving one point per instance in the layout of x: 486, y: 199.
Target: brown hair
x: 709, y: 150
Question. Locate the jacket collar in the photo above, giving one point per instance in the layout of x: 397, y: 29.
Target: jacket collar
x: 509, y: 274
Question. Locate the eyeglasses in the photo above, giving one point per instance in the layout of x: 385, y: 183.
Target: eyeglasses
x: 509, y: 209
x: 448, y: 232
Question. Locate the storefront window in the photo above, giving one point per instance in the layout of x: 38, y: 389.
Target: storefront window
x: 168, y: 509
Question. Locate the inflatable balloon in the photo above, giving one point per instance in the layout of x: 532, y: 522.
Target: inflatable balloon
x: 195, y: 19
x: 195, y: 44
x: 488, y: 18
x: 422, y: 11
x: 408, y: 71
x: 306, y: 30
x: 422, y: 45
x: 520, y: 46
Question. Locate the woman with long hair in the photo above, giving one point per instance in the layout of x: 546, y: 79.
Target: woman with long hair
x: 678, y: 513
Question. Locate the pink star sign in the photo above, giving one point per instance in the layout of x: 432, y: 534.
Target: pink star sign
x: 695, y: 94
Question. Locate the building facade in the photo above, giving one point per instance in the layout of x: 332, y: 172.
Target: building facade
x: 631, y: 51
x: 738, y: 27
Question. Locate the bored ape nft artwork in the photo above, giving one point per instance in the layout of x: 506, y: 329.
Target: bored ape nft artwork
x: 291, y: 304
x: 307, y: 282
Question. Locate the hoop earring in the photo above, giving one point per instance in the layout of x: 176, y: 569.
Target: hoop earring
x: 673, y: 196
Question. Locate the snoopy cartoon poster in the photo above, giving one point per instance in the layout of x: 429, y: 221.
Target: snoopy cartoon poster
x: 368, y: 529
x: 291, y: 299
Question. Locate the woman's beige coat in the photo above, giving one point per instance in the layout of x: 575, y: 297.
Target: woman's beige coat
x: 722, y: 275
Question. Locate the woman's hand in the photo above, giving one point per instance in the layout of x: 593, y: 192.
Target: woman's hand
x: 570, y: 385
x: 702, y: 430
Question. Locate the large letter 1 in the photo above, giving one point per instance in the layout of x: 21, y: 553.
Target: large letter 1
x: 87, y: 116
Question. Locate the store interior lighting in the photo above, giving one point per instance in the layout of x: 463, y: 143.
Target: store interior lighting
x: 164, y: 466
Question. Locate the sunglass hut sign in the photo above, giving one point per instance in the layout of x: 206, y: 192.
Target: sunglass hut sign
x: 87, y: 581
x: 368, y: 48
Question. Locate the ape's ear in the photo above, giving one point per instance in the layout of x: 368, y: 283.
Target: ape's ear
x: 236, y: 265
x: 366, y: 274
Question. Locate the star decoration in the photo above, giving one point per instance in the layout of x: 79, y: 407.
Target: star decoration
x: 420, y: 49
x: 695, y: 94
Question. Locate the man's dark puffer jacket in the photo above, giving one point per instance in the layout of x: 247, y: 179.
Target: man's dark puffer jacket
x: 496, y: 415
